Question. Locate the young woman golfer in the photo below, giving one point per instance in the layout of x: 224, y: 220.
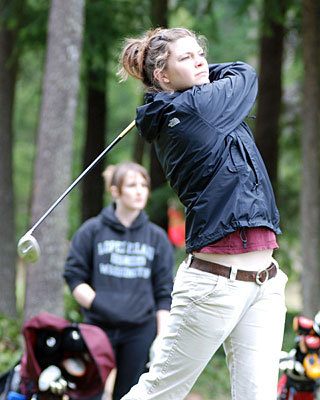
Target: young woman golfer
x: 229, y: 291
x: 119, y: 269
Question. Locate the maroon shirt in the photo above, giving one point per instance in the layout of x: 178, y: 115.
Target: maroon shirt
x: 243, y: 241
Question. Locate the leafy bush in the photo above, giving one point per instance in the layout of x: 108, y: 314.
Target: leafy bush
x: 72, y: 310
x: 10, y: 342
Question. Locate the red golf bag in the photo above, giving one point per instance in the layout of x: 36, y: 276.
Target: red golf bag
x: 62, y: 359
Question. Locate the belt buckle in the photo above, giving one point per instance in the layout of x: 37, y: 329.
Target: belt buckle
x: 258, y: 279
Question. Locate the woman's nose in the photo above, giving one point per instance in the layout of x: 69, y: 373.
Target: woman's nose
x: 199, y: 61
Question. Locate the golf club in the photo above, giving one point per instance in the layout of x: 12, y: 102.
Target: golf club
x: 28, y: 247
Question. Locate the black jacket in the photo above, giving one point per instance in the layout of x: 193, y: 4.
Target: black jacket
x: 131, y: 269
x: 209, y: 156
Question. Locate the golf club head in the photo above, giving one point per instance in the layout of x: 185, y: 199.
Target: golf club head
x: 28, y: 248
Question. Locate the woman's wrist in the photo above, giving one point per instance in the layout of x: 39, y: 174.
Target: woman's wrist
x: 84, y: 295
x: 162, y: 320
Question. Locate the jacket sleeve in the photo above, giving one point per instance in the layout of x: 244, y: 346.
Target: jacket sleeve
x: 162, y: 273
x: 229, y: 96
x: 78, y: 265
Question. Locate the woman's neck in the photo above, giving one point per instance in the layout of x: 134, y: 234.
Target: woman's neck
x: 125, y: 216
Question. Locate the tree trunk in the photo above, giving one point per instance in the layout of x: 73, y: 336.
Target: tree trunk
x: 8, y: 69
x: 44, y: 290
x: 270, y: 85
x: 159, y: 17
x: 310, y: 191
x: 92, y: 185
x: 159, y: 13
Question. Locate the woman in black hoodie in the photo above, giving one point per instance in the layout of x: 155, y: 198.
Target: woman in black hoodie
x: 119, y: 269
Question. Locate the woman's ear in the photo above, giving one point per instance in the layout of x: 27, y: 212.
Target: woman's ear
x: 114, y: 191
x: 161, y: 76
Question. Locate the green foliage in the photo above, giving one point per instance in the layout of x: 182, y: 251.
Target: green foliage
x: 289, y: 170
x: 9, y: 13
x: 231, y: 36
x: 106, y: 22
x: 159, y: 200
x: 200, y: 16
x: 34, y: 20
x: 242, y: 6
x: 289, y: 194
x: 25, y: 127
x: 289, y: 335
x: 72, y: 310
x: 10, y: 343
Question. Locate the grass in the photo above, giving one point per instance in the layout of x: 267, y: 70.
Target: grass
x: 213, y: 383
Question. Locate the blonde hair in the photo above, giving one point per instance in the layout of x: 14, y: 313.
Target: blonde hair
x: 114, y: 175
x: 141, y: 56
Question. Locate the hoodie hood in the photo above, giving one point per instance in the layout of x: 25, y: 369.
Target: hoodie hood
x: 108, y: 217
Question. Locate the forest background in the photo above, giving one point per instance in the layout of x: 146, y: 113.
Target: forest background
x: 61, y: 103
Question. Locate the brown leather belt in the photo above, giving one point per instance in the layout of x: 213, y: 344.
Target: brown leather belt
x: 259, y: 277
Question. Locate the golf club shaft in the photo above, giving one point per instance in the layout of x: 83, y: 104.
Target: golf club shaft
x: 94, y: 162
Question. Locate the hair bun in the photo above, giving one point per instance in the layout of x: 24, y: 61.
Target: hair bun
x: 108, y: 175
x: 133, y: 58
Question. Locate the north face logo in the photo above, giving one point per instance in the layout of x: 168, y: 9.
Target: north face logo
x: 173, y: 122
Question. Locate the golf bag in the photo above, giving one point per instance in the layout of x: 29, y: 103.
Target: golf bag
x: 301, y: 366
x: 61, y: 360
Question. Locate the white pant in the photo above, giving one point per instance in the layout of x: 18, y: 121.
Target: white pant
x: 208, y: 311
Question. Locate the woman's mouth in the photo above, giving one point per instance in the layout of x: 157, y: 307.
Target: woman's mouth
x: 202, y: 73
